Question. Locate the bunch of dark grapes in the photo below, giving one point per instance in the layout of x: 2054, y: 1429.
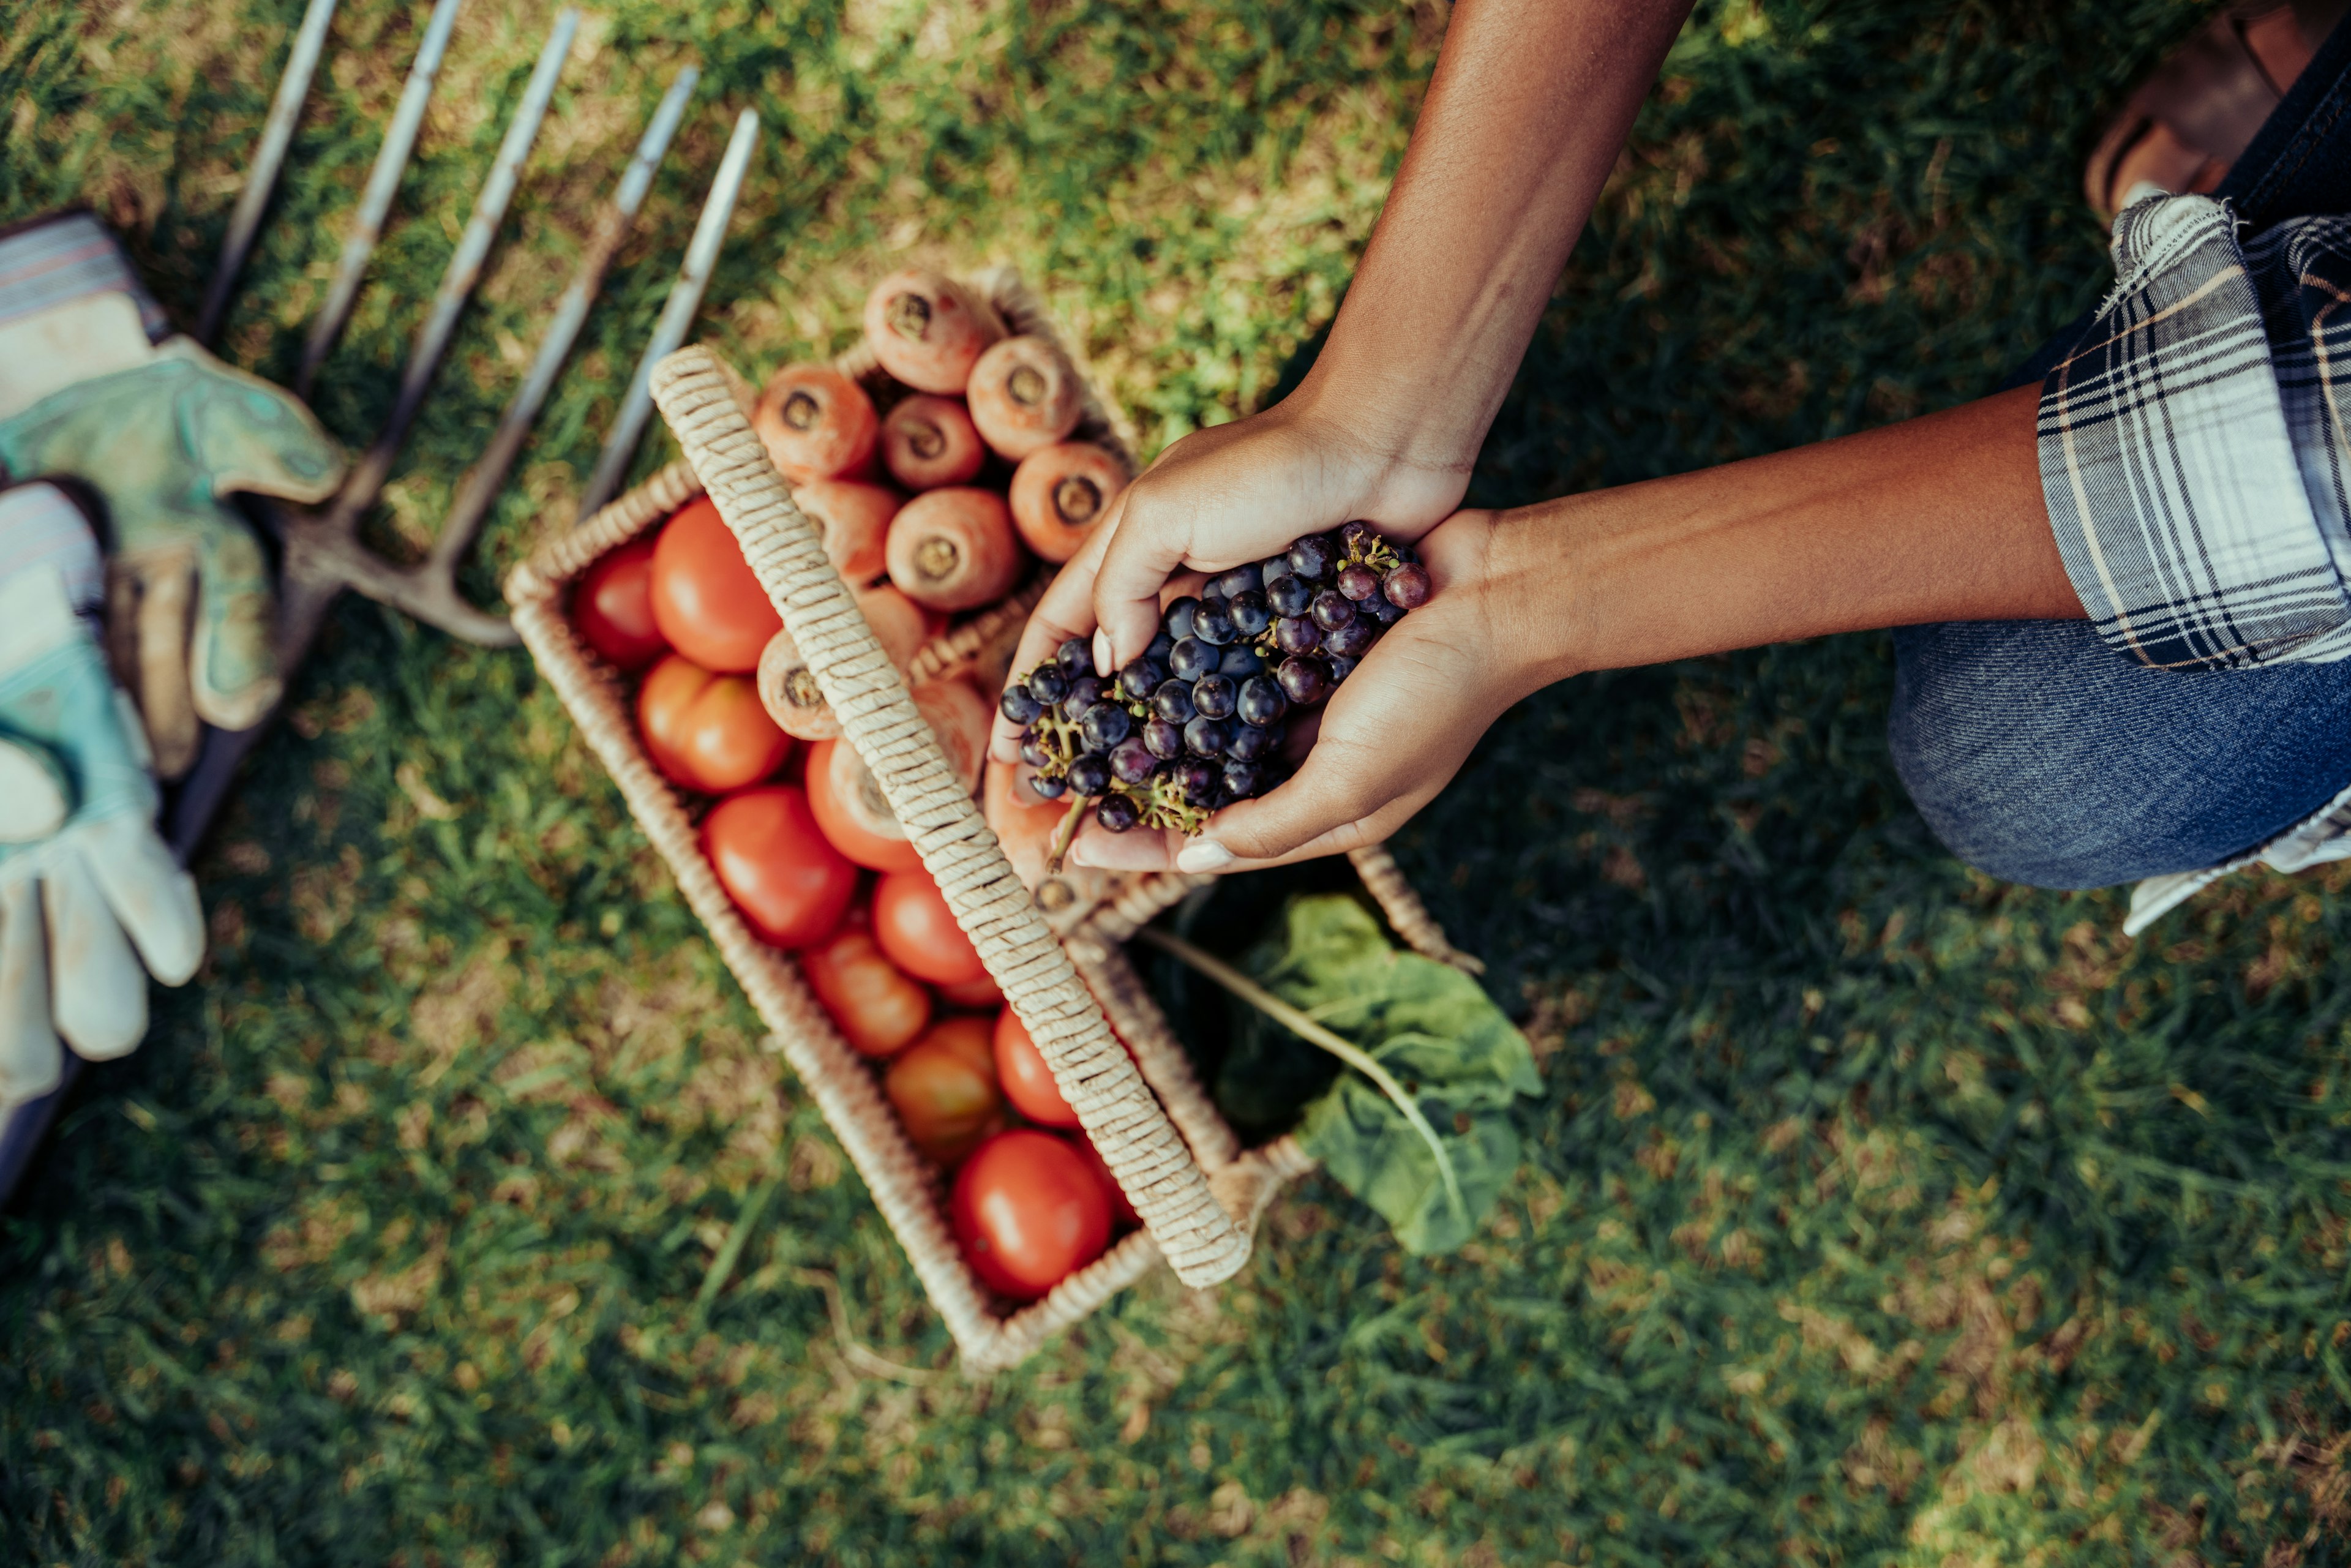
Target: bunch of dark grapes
x: 1197, y: 721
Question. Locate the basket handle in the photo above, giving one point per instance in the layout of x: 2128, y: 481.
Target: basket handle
x: 1115, y: 1107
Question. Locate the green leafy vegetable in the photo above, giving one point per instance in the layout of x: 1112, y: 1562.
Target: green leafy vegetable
x: 1438, y: 1034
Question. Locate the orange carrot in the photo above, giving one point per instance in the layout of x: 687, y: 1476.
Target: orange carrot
x: 788, y: 688
x: 1023, y: 395
x: 953, y: 548
x: 962, y: 719
x: 816, y: 424
x: 855, y: 519
x: 927, y: 329
x: 871, y: 835
x: 1059, y: 494
x: 930, y: 441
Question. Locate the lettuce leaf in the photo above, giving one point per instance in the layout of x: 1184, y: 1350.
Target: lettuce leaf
x: 1437, y: 1031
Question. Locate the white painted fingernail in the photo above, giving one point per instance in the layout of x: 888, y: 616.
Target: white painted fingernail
x: 1202, y: 855
x: 1103, y: 665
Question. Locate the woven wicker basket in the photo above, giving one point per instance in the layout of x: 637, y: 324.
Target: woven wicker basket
x: 1056, y: 955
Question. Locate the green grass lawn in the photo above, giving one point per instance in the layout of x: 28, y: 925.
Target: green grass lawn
x: 1874, y: 1212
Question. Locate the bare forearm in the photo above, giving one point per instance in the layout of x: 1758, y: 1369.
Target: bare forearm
x: 1940, y: 519
x: 1529, y: 108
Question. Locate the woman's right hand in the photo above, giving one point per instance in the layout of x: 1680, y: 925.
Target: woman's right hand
x: 1221, y: 497
x: 1525, y: 116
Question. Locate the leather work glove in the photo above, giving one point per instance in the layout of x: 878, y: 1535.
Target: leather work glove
x: 87, y: 890
x: 163, y: 443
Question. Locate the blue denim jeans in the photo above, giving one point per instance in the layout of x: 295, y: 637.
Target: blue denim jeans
x: 2040, y: 755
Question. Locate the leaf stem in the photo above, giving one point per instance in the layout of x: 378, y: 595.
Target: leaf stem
x: 1298, y: 1023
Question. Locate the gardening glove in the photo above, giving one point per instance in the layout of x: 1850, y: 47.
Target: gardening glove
x: 87, y: 890
x: 162, y: 442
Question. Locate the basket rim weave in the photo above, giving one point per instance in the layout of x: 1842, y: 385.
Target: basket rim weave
x: 696, y: 394
x: 905, y: 1185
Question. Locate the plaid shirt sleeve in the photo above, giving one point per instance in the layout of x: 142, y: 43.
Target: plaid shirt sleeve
x: 2193, y: 446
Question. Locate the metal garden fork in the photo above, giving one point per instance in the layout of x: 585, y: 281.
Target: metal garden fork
x: 323, y: 551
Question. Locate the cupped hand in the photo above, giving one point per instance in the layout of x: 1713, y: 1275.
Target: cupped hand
x: 1388, y: 740
x: 1219, y: 497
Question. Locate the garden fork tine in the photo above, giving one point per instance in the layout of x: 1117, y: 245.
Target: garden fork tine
x: 677, y: 312
x: 375, y: 201
x: 285, y: 111
x: 324, y: 554
x: 488, y: 475
x: 323, y: 551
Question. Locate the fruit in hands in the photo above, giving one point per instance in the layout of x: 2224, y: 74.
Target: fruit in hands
x: 1304, y: 680
x: 1194, y: 725
x: 928, y: 330
x: 816, y: 424
x: 853, y: 519
x: 1311, y: 558
x: 929, y: 440
x: 944, y: 1089
x: 790, y: 884
x: 1261, y: 702
x: 1023, y: 396
x: 918, y: 931
x: 614, y: 608
x: 953, y: 549
x: 879, y: 1008
x: 705, y: 731
x: 705, y: 600
x: 1027, y: 1082
x: 788, y: 687
x: 1228, y: 585
x: 1251, y: 614
x: 1027, y: 1211
x: 1289, y: 595
x: 1090, y: 775
x: 1059, y: 494
x: 1351, y: 641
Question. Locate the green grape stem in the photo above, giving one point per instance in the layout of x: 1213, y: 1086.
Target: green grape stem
x: 1162, y: 806
x: 1063, y: 837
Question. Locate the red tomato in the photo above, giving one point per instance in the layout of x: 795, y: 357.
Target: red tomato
x: 982, y: 995
x: 1028, y: 1212
x: 705, y: 599
x: 850, y: 808
x: 791, y: 885
x: 1028, y: 1081
x: 915, y: 927
x: 944, y: 1089
x: 614, y: 608
x: 880, y: 1009
x: 707, y: 732
x: 1121, y: 1212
